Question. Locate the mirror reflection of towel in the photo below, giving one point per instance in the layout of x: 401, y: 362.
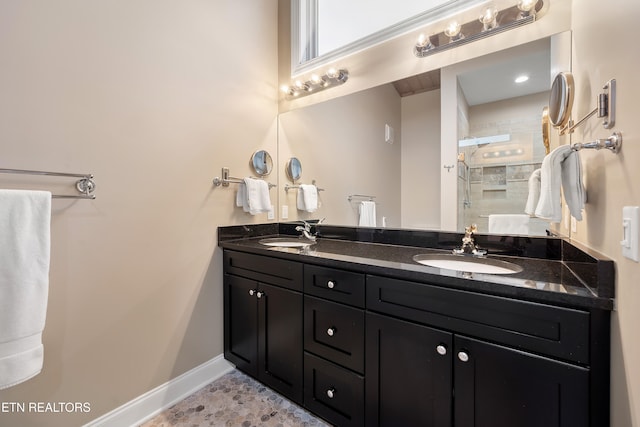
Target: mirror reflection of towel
x: 307, y: 198
x: 509, y: 224
x: 367, y: 212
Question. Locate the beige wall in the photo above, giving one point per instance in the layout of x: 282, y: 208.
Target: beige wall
x: 421, y: 160
x: 341, y: 145
x: 153, y: 98
x: 612, y: 181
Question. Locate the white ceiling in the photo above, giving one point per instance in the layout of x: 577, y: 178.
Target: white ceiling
x: 496, y: 82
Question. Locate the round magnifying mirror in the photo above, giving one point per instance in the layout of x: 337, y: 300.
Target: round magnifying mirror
x: 294, y: 169
x: 561, y: 99
x: 261, y: 163
x: 546, y: 130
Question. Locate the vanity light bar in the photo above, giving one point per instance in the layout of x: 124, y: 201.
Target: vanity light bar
x: 333, y: 77
x: 491, y: 22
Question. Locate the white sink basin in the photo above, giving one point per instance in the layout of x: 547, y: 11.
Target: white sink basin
x: 286, y: 242
x: 467, y: 264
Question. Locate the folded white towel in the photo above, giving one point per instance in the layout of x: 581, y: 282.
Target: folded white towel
x: 509, y: 224
x: 241, y: 197
x: 561, y: 166
x: 257, y: 196
x: 572, y: 188
x: 367, y: 212
x: 534, y: 193
x: 25, y: 220
x: 307, y: 198
x: 549, y: 206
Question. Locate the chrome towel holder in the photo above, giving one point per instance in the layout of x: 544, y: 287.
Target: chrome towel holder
x: 613, y: 144
x: 227, y: 179
x: 288, y: 187
x: 84, y: 185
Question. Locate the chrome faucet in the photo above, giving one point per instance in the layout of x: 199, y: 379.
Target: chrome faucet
x: 469, y: 246
x: 306, y: 231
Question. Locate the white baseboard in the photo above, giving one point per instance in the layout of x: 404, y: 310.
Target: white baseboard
x: 150, y: 404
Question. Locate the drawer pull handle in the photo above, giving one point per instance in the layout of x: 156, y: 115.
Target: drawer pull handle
x: 331, y: 393
x: 252, y: 292
x: 331, y: 331
x: 259, y: 294
x: 463, y: 356
x: 331, y: 284
x: 441, y: 349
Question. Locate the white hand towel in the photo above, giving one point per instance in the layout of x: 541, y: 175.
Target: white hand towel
x: 534, y: 193
x: 257, y: 196
x: 572, y: 188
x: 25, y: 221
x: 509, y: 224
x: 549, y: 206
x: 241, y: 196
x: 307, y: 198
x: 367, y: 212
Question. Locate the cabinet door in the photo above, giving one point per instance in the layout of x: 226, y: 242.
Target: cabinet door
x: 497, y: 386
x: 280, y: 340
x: 409, y: 369
x: 241, y: 323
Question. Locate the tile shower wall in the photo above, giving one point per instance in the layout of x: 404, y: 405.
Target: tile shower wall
x: 498, y: 173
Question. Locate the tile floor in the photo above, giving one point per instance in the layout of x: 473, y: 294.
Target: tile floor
x: 235, y: 399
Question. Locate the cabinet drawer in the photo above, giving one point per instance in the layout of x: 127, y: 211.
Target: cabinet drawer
x: 553, y: 331
x: 333, y: 284
x: 287, y: 274
x: 332, y: 392
x: 335, y: 332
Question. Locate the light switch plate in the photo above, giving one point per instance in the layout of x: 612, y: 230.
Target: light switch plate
x: 630, y: 232
x: 285, y: 211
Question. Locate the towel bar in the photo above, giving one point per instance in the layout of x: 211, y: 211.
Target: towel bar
x: 613, y: 144
x: 84, y: 185
x: 360, y: 196
x: 288, y: 187
x: 226, y: 180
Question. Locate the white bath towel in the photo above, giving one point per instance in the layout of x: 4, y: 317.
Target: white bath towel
x: 367, y: 212
x: 509, y: 224
x: 560, y: 167
x: 25, y: 220
x: 307, y: 198
x: 572, y: 187
x: 549, y: 206
x: 257, y: 198
x: 534, y: 193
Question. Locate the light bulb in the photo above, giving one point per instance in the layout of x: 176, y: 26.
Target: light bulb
x: 521, y: 79
x: 332, y: 73
x: 527, y: 8
x: 315, y: 79
x: 285, y: 89
x: 453, y: 31
x: 488, y: 18
x: 423, y: 45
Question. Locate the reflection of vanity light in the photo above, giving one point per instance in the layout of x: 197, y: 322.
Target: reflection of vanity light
x: 489, y: 18
x: 454, y: 31
x: 502, y: 153
x: 333, y: 77
x: 521, y: 79
x: 527, y: 8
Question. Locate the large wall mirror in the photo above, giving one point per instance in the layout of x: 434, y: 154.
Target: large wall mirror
x: 389, y: 143
x: 323, y: 30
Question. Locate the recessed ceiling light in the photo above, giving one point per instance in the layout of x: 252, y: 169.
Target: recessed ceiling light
x: 521, y: 79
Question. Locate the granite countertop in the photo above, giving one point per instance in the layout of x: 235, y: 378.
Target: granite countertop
x: 578, y: 282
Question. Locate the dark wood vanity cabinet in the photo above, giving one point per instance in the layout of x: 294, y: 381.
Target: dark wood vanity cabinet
x: 507, y: 375
x: 262, y: 320
x: 368, y: 350
x: 334, y: 344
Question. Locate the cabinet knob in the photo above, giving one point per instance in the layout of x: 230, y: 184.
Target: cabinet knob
x: 331, y: 393
x: 463, y: 356
x: 331, y: 284
x: 441, y: 349
x: 259, y: 294
x: 331, y: 331
x: 252, y: 292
